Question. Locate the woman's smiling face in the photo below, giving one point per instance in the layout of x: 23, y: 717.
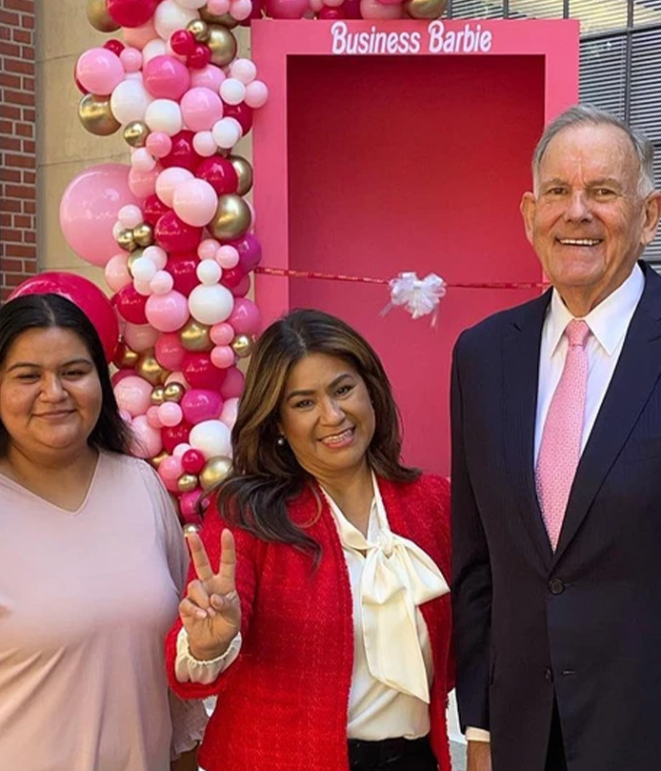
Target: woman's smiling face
x: 326, y: 415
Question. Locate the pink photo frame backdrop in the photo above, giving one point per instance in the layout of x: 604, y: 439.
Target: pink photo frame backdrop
x: 374, y: 164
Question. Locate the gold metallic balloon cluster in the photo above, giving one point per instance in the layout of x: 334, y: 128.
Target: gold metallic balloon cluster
x: 213, y: 32
x: 135, y: 239
x: 214, y: 471
x: 172, y: 392
x: 425, y: 9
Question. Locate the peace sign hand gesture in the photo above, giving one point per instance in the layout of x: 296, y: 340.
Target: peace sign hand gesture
x: 211, y: 610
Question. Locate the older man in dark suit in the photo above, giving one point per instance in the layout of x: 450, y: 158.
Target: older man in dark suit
x: 556, y: 420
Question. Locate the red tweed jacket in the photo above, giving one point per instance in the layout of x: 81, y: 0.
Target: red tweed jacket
x: 282, y: 706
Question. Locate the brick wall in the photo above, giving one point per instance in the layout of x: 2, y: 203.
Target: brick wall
x: 18, y: 162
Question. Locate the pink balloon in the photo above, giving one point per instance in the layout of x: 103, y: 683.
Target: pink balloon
x: 138, y: 37
x: 133, y: 394
x: 120, y: 375
x: 99, y: 71
x: 222, y: 334
x: 219, y: 7
x: 169, y: 351
x: 168, y: 181
x: 165, y: 77
x: 232, y: 386
x: 169, y: 470
x: 201, y: 108
x: 170, y: 414
x: 208, y: 77
x: 246, y: 317
x: 200, y: 404
x: 117, y: 272
x: 89, y: 208
x: 152, y: 417
x: 374, y: 9
x: 143, y: 183
x: 159, y: 144
x: 195, y: 202
x: 147, y: 440
x: 131, y: 59
x: 222, y: 356
x: 140, y: 337
x: 167, y: 312
x: 229, y: 413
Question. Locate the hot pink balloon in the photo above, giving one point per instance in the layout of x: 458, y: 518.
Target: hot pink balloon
x: 200, y: 372
x: 172, y: 436
x: 167, y: 312
x: 195, y: 202
x: 169, y: 351
x: 175, y: 235
x: 166, y: 77
x: 200, y: 404
x: 133, y: 394
x: 232, y: 386
x: 147, y: 441
x: 188, y: 505
x: 246, y: 317
x: 201, y: 108
x: 100, y: 71
x: 89, y: 208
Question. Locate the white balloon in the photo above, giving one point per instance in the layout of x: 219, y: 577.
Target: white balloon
x: 129, y: 101
x: 232, y: 91
x: 228, y: 415
x: 227, y: 132
x: 210, y: 304
x: 142, y: 287
x: 209, y: 272
x: 194, y: 4
x: 155, y: 47
x: 170, y: 16
x: 256, y: 94
x: 243, y: 70
x: 211, y: 437
x: 164, y: 115
x: 143, y: 269
x: 204, y: 144
x: 130, y: 216
x: 167, y: 181
x: 157, y: 255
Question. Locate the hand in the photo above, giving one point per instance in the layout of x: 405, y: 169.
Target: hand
x: 211, y: 610
x: 478, y: 756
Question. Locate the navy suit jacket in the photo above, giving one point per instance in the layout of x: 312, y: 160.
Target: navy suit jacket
x: 581, y: 625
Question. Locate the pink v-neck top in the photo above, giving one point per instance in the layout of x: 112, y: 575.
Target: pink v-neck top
x: 86, y: 598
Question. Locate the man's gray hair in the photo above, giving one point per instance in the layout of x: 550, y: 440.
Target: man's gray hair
x: 587, y: 113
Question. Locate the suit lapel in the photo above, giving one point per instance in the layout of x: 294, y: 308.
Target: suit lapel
x: 636, y: 373
x: 521, y: 346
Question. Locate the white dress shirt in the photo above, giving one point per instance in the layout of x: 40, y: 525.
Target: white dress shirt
x: 389, y: 577
x: 608, y: 322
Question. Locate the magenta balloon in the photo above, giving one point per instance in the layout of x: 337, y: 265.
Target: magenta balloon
x: 200, y: 404
x: 174, y: 235
x: 83, y: 293
x: 286, y: 9
x: 131, y: 305
x: 166, y: 77
x: 169, y: 351
x: 131, y: 13
x: 245, y: 317
x: 250, y: 252
x: 232, y: 386
x: 89, y: 207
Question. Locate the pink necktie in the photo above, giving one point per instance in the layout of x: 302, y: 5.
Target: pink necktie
x: 560, y: 448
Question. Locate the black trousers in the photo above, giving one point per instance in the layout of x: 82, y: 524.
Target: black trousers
x: 555, y: 756
x: 369, y: 756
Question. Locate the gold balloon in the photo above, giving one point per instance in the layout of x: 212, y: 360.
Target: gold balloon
x: 199, y: 29
x: 186, y: 483
x: 242, y: 345
x: 143, y: 234
x: 98, y: 16
x: 125, y: 240
x: 226, y: 19
x: 232, y: 218
x: 222, y: 45
x: 157, y: 459
x: 136, y: 133
x: 214, y: 471
x: 190, y: 528
x: 158, y: 395
x: 425, y: 9
x: 174, y: 392
x: 149, y: 369
x: 195, y: 336
x: 243, y: 172
x: 136, y: 254
x: 96, y: 116
x: 129, y: 358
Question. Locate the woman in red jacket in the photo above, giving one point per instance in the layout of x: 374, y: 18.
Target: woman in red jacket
x: 317, y: 608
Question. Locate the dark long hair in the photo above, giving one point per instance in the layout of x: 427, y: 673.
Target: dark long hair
x: 266, y: 475
x: 45, y: 311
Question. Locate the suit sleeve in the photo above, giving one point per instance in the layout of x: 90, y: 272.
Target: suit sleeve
x: 246, y: 551
x: 472, y: 588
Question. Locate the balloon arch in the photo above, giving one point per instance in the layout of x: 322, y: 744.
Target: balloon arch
x: 173, y: 230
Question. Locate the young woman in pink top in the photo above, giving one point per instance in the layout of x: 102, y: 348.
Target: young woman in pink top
x: 92, y: 562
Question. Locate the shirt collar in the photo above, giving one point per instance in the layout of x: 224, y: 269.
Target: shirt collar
x: 608, y: 321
